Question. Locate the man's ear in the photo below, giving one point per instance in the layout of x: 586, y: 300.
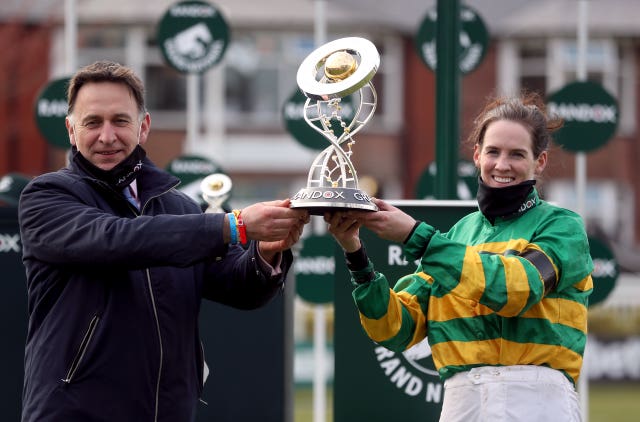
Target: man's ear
x: 70, y: 131
x: 145, y: 128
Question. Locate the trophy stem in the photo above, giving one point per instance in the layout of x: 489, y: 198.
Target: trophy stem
x: 329, y: 74
x: 326, y: 164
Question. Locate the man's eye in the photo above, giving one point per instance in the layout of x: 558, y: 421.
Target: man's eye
x: 91, y: 124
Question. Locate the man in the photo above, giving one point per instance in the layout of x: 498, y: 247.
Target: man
x: 117, y: 261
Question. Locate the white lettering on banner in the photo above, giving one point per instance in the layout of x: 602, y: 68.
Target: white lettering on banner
x: 315, y: 265
x: 434, y: 392
x: 429, y: 53
x: 192, y: 167
x: 396, y: 257
x: 10, y: 243
x: 598, y: 113
x: 604, y: 268
x: 192, y: 11
x: 52, y: 108
x: 294, y: 111
x: 615, y: 360
x: 471, y: 58
x: 404, y: 379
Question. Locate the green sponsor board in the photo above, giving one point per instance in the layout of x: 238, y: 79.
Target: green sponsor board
x: 191, y: 170
x: 11, y: 186
x: 297, y: 126
x: 589, y: 112
x: 50, y: 111
x: 364, y: 371
x: 193, y: 36
x: 474, y: 39
x: 467, y: 181
x: 314, y: 269
x: 605, y: 270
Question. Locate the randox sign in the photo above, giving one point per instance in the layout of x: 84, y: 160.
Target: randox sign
x: 50, y: 111
x: 605, y: 270
x: 193, y: 36
x: 297, y: 126
x: 590, y: 115
x: 474, y: 39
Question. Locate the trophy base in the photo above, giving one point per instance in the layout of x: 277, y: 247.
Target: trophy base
x: 326, y: 199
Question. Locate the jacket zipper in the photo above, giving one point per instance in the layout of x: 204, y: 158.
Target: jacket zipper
x: 155, y: 309
x: 155, y: 314
x: 84, y: 344
x: 143, y: 206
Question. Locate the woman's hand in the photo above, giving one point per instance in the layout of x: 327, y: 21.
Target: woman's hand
x: 345, y: 229
x: 388, y: 222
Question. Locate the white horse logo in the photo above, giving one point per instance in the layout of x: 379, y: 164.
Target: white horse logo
x: 192, y: 42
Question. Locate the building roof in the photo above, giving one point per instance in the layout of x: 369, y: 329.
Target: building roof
x: 504, y: 18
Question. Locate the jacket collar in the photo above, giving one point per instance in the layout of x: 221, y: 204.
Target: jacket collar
x: 152, y: 181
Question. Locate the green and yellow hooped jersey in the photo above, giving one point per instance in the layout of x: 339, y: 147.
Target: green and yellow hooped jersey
x: 510, y: 293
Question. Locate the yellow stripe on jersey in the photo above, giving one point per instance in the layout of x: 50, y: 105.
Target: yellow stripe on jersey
x: 504, y: 352
x: 451, y: 307
x: 518, y: 286
x: 389, y: 325
x: 560, y: 311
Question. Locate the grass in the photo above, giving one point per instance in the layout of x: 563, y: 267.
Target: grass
x: 303, y: 405
x: 614, y: 402
x: 608, y: 402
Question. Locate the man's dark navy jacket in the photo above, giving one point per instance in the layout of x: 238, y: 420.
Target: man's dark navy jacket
x: 114, y: 296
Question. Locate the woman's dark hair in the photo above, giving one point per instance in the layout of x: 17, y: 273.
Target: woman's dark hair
x: 527, y: 109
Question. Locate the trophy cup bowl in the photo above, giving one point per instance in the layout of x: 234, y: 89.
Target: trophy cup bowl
x: 216, y: 189
x: 333, y: 71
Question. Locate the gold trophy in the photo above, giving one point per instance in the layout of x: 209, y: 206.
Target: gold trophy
x: 331, y: 72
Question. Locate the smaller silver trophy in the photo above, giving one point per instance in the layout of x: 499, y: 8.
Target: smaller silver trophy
x: 216, y: 189
x: 331, y: 72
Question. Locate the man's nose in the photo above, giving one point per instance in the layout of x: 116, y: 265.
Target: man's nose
x: 107, y: 133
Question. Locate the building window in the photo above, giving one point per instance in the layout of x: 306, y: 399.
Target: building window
x: 533, y: 66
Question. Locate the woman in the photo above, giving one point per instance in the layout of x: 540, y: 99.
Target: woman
x: 502, y: 296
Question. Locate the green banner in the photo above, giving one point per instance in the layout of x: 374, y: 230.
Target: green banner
x: 193, y: 36
x: 474, y: 39
x: 605, y: 270
x: 314, y: 269
x: 50, y: 111
x: 589, y: 112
